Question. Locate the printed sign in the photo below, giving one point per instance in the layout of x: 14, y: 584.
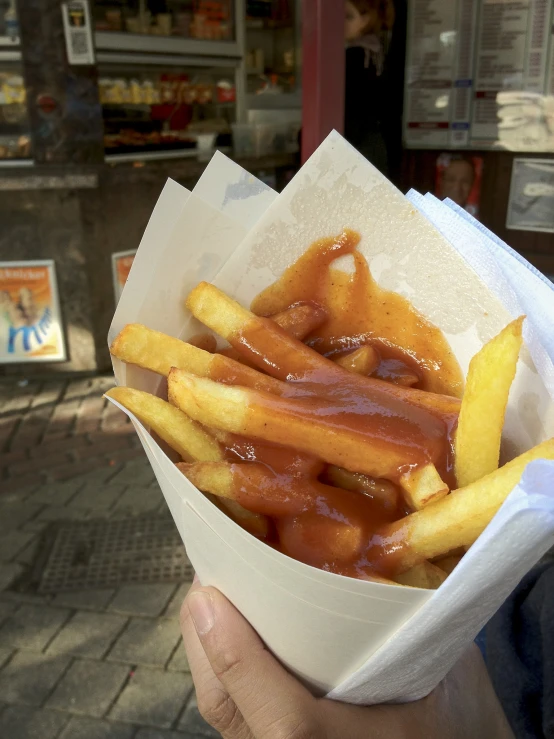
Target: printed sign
x: 122, y: 261
x: 30, y: 319
x: 531, y: 203
x: 78, y: 34
x: 458, y: 177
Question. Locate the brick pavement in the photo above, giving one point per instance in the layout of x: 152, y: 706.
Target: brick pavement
x: 94, y: 664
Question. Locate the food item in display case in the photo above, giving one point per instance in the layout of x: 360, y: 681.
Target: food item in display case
x: 351, y: 467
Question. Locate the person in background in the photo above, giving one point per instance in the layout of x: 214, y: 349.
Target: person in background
x: 457, y: 179
x: 367, y: 27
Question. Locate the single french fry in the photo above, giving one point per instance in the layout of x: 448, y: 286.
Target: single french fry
x: 270, y: 348
x: 423, y: 485
x: 448, y: 563
x: 362, y: 361
x: 490, y: 376
x: 305, y: 425
x: 157, y: 352
x: 183, y: 434
x: 456, y: 520
x: 300, y: 320
x: 206, y: 342
x: 192, y: 442
x: 424, y: 575
x: 383, y: 490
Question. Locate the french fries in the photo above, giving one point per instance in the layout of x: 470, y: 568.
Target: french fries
x: 327, y: 460
x: 183, y: 434
x: 362, y: 361
x: 269, y: 347
x: 456, y: 520
x: 299, y: 423
x: 423, y: 486
x: 490, y: 376
x: 188, y: 439
x: 300, y: 320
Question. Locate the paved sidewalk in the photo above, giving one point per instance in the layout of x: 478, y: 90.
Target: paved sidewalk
x: 93, y: 664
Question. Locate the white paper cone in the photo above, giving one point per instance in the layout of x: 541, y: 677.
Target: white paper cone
x: 366, y: 642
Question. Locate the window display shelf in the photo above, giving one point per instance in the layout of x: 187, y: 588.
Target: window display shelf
x: 116, y: 41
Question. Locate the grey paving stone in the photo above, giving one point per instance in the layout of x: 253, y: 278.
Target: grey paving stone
x: 28, y: 678
x: 146, y: 642
x: 63, y: 513
x: 95, y: 600
x: 6, y: 608
x: 37, y: 527
x: 99, y: 475
x: 56, y: 494
x: 90, y: 728
x: 137, y: 499
x: 142, y: 600
x: 135, y: 473
x: 32, y: 626
x: 9, y: 572
x: 5, y: 654
x: 192, y: 721
x: 17, y: 722
x: 28, y: 554
x: 88, y: 687
x: 89, y: 634
x: 174, y: 608
x: 179, y: 661
x: 97, y: 497
x: 152, y: 697
x: 13, y: 514
x: 12, y: 542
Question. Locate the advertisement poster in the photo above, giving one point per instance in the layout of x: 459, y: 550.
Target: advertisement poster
x: 531, y: 203
x: 30, y: 319
x: 459, y: 177
x: 122, y: 261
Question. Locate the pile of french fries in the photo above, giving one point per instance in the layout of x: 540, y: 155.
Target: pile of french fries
x: 228, y: 414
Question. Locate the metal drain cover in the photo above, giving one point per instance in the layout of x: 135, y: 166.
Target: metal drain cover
x: 100, y: 554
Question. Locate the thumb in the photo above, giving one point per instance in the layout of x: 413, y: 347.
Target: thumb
x: 270, y: 700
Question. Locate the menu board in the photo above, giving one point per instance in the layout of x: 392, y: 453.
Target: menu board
x: 122, y: 261
x: 30, y: 320
x: 480, y: 74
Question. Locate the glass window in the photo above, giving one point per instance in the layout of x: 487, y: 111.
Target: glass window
x: 211, y: 20
x: 152, y: 109
x: 15, y: 139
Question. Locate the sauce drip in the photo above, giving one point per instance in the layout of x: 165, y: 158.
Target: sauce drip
x: 360, y: 312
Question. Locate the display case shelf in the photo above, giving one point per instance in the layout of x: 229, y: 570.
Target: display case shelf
x: 143, y: 43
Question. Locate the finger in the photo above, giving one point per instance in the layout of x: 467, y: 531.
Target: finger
x: 214, y: 702
x: 271, y: 701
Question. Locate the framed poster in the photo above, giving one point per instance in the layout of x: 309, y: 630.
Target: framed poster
x: 531, y: 202
x: 458, y: 177
x: 122, y: 261
x: 30, y: 318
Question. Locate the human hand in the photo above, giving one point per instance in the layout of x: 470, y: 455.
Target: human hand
x: 244, y: 693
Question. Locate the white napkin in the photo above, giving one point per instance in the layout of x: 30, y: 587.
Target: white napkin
x: 411, y: 663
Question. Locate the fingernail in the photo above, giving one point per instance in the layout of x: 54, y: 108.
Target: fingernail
x: 202, y: 611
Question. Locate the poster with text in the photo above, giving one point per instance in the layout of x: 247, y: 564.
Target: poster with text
x: 122, y: 261
x: 30, y: 319
x: 458, y: 177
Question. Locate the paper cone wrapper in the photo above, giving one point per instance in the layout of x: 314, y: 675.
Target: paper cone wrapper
x: 357, y: 641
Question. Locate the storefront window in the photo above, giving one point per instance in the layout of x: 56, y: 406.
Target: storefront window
x: 208, y: 20
x: 15, y: 140
x: 153, y: 109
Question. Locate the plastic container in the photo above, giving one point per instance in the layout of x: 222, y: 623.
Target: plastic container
x: 244, y: 139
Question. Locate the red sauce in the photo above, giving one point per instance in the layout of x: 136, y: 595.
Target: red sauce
x: 321, y: 525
